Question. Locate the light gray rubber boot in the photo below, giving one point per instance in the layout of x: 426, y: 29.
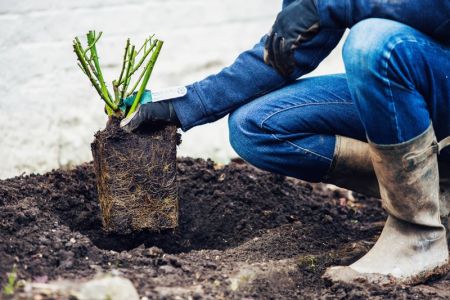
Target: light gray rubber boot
x: 412, y: 245
x: 352, y: 169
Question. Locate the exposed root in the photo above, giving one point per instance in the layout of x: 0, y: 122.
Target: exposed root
x: 136, y: 178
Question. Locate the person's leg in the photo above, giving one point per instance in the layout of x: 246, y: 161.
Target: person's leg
x: 292, y: 131
x: 307, y: 130
x: 397, y: 77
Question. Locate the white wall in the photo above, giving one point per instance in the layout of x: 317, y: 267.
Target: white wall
x: 48, y: 110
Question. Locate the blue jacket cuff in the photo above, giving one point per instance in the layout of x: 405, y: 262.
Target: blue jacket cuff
x: 190, y: 109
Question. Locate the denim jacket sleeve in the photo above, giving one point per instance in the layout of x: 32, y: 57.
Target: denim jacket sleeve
x: 246, y: 79
x: 429, y: 16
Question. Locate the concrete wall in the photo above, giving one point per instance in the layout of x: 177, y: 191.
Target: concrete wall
x: 48, y: 110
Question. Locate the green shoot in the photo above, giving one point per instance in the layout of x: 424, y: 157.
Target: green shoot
x: 92, y: 40
x: 90, y: 72
x: 148, y: 73
x: 127, y: 46
x: 88, y: 62
x: 11, y: 284
x: 131, y: 57
x: 146, y: 53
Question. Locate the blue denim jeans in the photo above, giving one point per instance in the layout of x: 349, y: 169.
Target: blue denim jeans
x: 396, y: 83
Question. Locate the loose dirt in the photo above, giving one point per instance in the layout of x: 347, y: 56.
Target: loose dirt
x: 243, y: 233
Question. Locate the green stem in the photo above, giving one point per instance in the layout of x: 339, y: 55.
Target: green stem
x: 82, y: 69
x: 144, y: 46
x: 94, y: 56
x: 127, y: 73
x: 93, y: 43
x: 141, y: 61
x: 116, y: 92
x: 148, y: 73
x: 89, y: 61
x: 137, y: 82
x: 84, y: 66
x: 127, y: 46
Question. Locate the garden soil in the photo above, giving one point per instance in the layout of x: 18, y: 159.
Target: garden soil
x: 243, y: 234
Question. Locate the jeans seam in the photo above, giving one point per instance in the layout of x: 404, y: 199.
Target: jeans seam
x: 301, y: 148
x: 388, y: 81
x: 261, y: 125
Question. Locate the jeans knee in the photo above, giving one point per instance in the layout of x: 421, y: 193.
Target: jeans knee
x: 370, y: 43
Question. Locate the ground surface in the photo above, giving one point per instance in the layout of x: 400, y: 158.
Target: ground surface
x: 243, y: 234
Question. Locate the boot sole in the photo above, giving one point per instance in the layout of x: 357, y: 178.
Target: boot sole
x: 348, y: 275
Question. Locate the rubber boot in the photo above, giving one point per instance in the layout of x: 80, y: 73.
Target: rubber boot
x: 352, y: 169
x: 412, y: 245
x: 444, y: 170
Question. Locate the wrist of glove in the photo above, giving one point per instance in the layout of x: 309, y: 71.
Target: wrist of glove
x: 150, y: 115
x: 297, y: 23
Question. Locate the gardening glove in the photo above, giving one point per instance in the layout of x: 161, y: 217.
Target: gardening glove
x: 149, y: 114
x: 297, y: 23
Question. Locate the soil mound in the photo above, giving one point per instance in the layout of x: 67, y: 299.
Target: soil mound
x: 243, y: 233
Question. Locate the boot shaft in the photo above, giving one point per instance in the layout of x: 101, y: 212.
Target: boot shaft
x: 352, y: 169
x: 408, y: 176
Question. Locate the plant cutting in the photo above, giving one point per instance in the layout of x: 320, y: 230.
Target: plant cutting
x: 136, y: 173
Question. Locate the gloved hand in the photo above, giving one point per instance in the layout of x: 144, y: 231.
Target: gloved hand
x: 297, y: 23
x: 149, y: 114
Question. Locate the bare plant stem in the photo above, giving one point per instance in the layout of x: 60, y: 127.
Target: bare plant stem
x: 116, y: 92
x: 94, y: 56
x: 148, y: 73
x: 90, y: 65
x: 137, y: 82
x: 141, y: 61
x: 125, y: 55
x: 93, y: 42
x: 127, y: 72
x: 144, y: 46
x: 84, y: 66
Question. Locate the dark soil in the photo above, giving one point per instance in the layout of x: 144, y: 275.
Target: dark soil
x: 243, y: 233
x: 136, y: 178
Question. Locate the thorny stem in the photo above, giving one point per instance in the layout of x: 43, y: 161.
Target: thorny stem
x: 141, y: 61
x: 131, y: 57
x: 116, y: 92
x: 89, y: 64
x: 94, y: 56
x: 137, y: 82
x: 93, y: 43
x: 84, y: 66
x: 89, y: 61
x: 127, y: 46
x: 144, y: 46
x: 81, y: 67
x: 148, y: 72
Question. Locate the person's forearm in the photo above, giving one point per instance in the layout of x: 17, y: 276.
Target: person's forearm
x: 429, y: 16
x: 246, y: 79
